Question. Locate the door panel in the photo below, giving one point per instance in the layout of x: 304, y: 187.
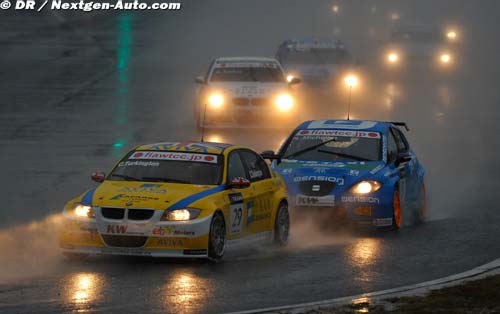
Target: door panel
x: 237, y: 199
x: 259, y: 211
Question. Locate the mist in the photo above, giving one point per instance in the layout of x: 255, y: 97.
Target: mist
x: 453, y: 119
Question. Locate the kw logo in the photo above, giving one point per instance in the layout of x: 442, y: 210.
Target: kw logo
x: 117, y: 229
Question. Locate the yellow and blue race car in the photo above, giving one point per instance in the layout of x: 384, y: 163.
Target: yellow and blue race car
x: 178, y: 200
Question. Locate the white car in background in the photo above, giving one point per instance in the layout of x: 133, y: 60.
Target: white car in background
x: 317, y: 61
x: 244, y: 92
x: 414, y: 47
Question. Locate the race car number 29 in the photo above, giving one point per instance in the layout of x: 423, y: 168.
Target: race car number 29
x: 236, y: 217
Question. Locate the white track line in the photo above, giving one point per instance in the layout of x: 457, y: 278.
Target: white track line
x: 416, y: 289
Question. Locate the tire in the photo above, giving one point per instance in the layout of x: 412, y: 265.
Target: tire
x: 217, y: 237
x: 75, y: 257
x: 282, y: 226
x: 421, y: 210
x: 397, y: 211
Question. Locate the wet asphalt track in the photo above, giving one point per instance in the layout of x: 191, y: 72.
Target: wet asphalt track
x: 98, y: 85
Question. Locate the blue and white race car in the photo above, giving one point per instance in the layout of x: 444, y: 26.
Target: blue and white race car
x: 361, y: 171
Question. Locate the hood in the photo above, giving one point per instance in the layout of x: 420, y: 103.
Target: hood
x: 143, y: 195
x: 249, y: 89
x: 343, y: 174
x: 313, y: 70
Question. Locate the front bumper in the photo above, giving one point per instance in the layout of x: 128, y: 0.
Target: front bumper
x: 158, y: 239
x: 364, y: 210
x: 250, y: 115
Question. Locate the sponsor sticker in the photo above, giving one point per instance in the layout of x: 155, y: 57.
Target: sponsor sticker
x: 133, y: 198
x: 338, y: 181
x: 170, y: 230
x: 330, y: 133
x: 224, y: 64
x: 177, y: 156
x: 304, y: 200
x: 130, y: 229
x: 145, y: 188
x: 235, y: 198
x: 255, y: 174
x: 139, y: 163
x: 360, y: 199
x: 382, y: 222
x: 170, y: 243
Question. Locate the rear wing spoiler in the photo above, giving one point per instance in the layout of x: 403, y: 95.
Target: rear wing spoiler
x: 403, y: 124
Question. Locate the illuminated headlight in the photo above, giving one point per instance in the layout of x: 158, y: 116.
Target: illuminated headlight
x: 451, y: 35
x: 216, y: 100
x: 289, y: 78
x: 180, y: 214
x: 392, y: 57
x: 81, y: 210
x: 284, y: 102
x: 365, y: 187
x: 445, y: 58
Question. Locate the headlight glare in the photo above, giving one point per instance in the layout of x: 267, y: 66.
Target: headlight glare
x: 83, y: 211
x: 180, y: 214
x: 393, y: 57
x: 365, y: 187
x: 284, y: 102
x: 445, y: 58
x: 216, y: 100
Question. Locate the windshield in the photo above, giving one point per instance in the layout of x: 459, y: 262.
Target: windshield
x: 247, y: 73
x: 334, y: 145
x: 415, y: 37
x: 316, y: 56
x: 174, y: 167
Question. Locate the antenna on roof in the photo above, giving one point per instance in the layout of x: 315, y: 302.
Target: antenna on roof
x: 203, y: 123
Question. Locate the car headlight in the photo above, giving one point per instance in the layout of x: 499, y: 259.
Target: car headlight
x: 284, y: 102
x: 216, y: 100
x: 452, y: 35
x: 445, y: 58
x: 392, y: 57
x: 180, y: 214
x: 365, y: 187
x: 80, y: 210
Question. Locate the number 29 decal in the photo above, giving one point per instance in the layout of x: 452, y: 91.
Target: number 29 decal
x: 236, y: 213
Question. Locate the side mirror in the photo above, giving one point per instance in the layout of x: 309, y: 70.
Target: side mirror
x: 239, y: 183
x: 98, y: 176
x: 200, y: 80
x: 402, y: 158
x: 295, y: 80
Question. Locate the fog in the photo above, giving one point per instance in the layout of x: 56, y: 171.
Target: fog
x: 453, y: 118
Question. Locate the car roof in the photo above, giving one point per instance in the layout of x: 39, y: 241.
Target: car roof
x: 360, y: 125
x: 315, y: 42
x: 194, y: 147
x: 415, y: 28
x: 245, y: 59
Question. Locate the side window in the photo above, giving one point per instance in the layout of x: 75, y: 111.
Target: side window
x: 400, y: 140
x: 392, y: 147
x: 235, y: 167
x: 256, y: 166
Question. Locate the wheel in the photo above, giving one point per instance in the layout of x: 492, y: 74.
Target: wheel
x: 77, y: 257
x: 397, y: 216
x: 421, y: 210
x: 282, y: 226
x: 217, y: 237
